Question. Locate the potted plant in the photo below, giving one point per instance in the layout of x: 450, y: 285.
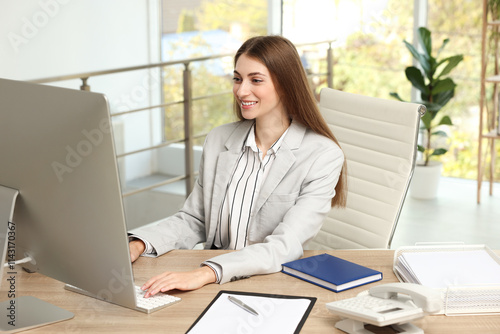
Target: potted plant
x: 435, y: 91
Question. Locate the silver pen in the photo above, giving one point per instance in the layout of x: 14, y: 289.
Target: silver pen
x: 242, y: 305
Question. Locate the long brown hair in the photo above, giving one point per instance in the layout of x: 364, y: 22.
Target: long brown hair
x: 282, y: 60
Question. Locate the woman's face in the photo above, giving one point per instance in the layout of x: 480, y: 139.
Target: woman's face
x: 254, y: 91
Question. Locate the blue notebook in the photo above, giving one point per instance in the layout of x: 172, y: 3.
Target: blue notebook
x: 331, y: 272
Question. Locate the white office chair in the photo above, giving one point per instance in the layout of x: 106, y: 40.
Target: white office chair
x: 379, y: 139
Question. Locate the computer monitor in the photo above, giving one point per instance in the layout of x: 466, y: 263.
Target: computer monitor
x: 57, y: 151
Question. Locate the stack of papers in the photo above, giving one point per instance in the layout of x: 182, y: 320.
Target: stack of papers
x: 467, y: 275
x: 442, y: 269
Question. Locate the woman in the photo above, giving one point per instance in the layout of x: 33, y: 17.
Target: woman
x: 265, y: 183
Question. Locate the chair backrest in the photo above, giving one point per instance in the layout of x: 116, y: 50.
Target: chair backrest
x: 379, y: 140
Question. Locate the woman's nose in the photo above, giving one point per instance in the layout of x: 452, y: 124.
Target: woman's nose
x: 243, y: 89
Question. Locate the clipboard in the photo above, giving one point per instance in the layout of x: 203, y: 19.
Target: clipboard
x: 277, y: 314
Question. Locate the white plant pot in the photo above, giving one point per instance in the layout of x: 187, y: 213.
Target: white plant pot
x: 425, y: 181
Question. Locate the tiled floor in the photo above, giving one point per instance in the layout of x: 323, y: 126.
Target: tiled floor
x: 453, y: 216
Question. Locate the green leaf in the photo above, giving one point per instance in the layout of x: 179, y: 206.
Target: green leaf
x: 440, y: 133
x: 413, y: 51
x: 452, y: 63
x: 420, y: 148
x: 445, y: 41
x: 416, y: 78
x: 441, y: 86
x: 432, y: 107
x: 433, y: 67
x: 443, y: 97
x: 446, y: 120
x: 439, y: 151
x: 396, y: 96
x: 425, y: 39
x: 427, y: 119
x: 422, y: 60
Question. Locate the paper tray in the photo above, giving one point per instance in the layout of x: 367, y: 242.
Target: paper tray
x: 459, y: 300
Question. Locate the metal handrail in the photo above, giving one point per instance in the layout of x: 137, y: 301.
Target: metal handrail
x: 86, y: 75
x: 186, y: 101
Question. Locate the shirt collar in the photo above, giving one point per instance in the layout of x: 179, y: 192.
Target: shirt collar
x: 250, y: 142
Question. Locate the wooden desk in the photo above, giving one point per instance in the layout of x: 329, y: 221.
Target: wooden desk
x: 94, y: 316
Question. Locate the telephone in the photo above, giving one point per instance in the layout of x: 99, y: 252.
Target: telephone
x: 393, y: 304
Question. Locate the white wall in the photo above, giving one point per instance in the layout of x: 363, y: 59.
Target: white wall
x: 45, y: 38
x: 48, y: 38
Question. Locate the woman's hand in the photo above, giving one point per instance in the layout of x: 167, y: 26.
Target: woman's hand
x: 188, y: 280
x: 136, y: 247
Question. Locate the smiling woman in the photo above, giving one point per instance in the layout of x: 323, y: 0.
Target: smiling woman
x: 265, y: 182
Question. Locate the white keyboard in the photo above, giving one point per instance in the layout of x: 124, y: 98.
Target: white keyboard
x: 147, y: 305
x: 155, y: 302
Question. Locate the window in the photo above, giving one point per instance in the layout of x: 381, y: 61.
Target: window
x: 205, y: 28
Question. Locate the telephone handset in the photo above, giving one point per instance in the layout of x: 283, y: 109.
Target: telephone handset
x: 392, y: 304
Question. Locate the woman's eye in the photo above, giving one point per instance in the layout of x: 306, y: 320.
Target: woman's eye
x: 235, y: 79
x: 257, y: 80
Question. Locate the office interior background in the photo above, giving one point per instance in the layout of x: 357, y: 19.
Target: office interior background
x: 166, y: 68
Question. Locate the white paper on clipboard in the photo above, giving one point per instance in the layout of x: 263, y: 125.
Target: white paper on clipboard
x: 277, y: 314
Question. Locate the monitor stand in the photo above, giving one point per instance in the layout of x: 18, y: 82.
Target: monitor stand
x: 25, y: 312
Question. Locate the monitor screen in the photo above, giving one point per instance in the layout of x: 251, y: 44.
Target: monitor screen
x: 57, y: 150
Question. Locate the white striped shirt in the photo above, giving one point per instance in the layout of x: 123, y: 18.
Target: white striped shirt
x: 242, y: 191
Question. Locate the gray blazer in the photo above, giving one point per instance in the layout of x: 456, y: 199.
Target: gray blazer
x: 289, y: 211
